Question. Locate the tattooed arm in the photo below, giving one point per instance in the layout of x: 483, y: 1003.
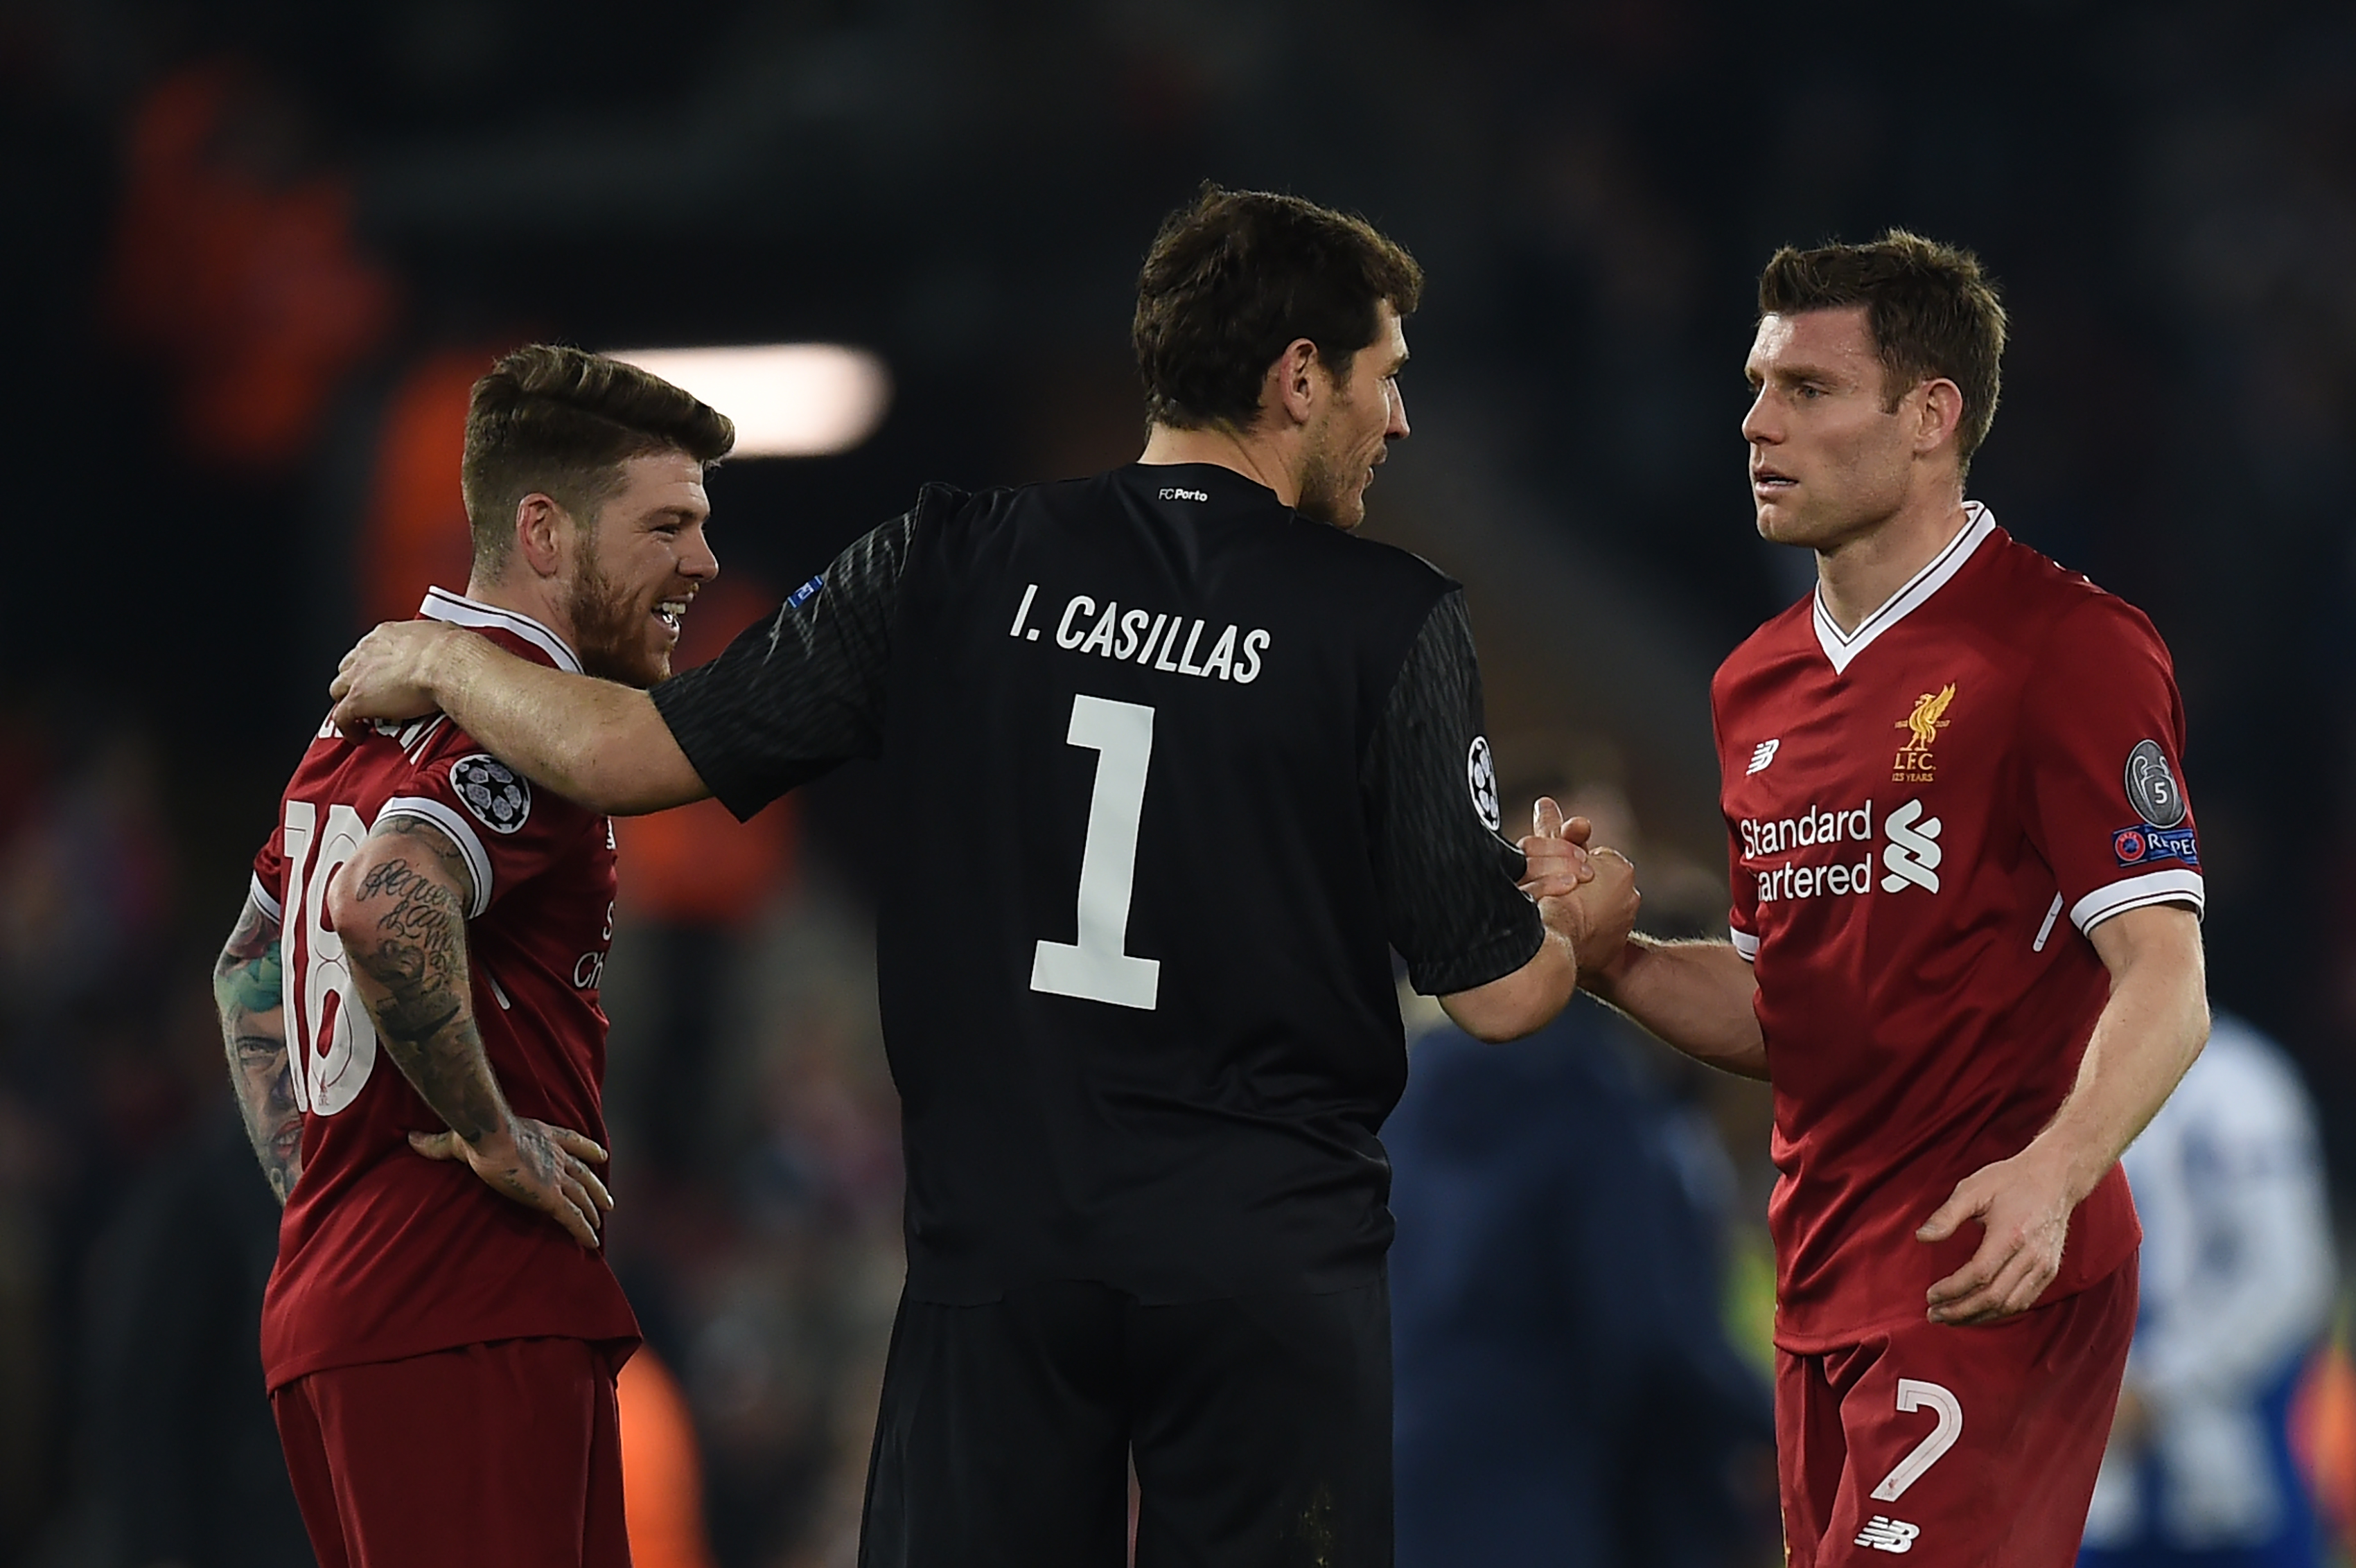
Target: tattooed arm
x: 400, y: 907
x: 254, y: 1033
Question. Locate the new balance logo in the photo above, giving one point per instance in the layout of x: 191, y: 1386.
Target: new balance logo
x: 1884, y: 1533
x: 1912, y: 853
x: 1762, y: 754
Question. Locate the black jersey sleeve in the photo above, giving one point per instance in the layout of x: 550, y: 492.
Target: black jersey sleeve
x: 1450, y: 904
x: 802, y: 691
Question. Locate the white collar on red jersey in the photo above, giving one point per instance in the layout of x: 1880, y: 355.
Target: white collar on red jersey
x: 441, y: 605
x: 1843, y: 646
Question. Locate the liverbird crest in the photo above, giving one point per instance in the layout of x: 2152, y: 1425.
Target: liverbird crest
x: 1926, y: 720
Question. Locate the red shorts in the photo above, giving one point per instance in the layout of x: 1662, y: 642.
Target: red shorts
x: 505, y: 1454
x: 1965, y: 1447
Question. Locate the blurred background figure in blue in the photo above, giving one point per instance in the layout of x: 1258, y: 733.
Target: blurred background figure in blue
x: 2237, y: 1289
x: 1568, y: 1391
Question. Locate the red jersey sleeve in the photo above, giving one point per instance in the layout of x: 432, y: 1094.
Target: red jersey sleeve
x: 1742, y: 922
x: 2103, y: 731
x: 270, y: 876
x: 506, y: 834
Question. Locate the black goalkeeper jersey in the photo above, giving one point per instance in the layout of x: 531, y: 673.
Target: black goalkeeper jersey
x: 1179, y: 769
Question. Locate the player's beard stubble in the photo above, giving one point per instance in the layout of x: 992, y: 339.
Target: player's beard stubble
x: 1325, y: 496
x: 1333, y: 475
x: 613, y: 632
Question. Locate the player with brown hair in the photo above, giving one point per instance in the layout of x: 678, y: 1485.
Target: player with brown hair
x: 1966, y: 947
x: 441, y: 1333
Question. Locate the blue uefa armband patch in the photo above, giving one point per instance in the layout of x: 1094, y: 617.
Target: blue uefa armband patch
x: 2147, y: 842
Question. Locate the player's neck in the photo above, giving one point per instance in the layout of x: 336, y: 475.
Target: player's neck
x: 535, y: 599
x: 1257, y: 455
x: 1861, y: 574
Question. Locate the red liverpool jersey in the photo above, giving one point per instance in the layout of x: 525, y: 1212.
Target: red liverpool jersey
x: 383, y: 1253
x: 1926, y: 816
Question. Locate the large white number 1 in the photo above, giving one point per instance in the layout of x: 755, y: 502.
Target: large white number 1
x: 1095, y: 967
x: 1913, y: 1395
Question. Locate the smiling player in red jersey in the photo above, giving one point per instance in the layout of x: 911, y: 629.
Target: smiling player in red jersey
x: 440, y: 1348
x: 1965, y: 943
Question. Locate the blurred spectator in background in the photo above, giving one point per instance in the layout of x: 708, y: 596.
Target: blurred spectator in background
x: 182, y: 1463
x: 1567, y: 1396
x: 765, y: 1271
x: 90, y: 1085
x: 1567, y: 1391
x: 2237, y: 1285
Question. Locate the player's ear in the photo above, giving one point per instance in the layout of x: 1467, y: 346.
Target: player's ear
x: 1941, y: 413
x: 540, y: 528
x: 1290, y: 392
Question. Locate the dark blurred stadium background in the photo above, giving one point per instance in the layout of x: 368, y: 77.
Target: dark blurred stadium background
x: 252, y: 255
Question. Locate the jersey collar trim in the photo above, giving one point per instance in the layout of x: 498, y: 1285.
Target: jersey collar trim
x: 441, y: 605
x: 1842, y: 647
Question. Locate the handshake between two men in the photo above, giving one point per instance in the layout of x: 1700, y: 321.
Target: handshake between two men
x: 1586, y: 893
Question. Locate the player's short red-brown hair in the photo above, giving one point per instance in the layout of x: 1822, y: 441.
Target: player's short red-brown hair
x: 1931, y: 308
x: 559, y: 421
x: 1235, y: 276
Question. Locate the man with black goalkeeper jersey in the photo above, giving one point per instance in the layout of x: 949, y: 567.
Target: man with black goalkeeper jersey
x: 1219, y: 757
